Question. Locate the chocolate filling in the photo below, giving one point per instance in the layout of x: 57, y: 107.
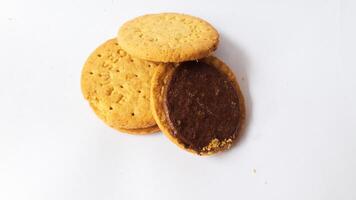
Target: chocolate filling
x: 202, y: 104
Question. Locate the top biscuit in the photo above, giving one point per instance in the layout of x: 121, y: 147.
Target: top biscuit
x: 168, y: 37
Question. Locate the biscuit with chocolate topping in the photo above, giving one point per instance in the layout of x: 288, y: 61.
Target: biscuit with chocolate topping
x: 198, y: 105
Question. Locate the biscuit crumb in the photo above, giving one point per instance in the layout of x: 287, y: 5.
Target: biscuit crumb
x: 215, y: 145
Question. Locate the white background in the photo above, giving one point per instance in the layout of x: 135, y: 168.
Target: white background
x: 295, y: 61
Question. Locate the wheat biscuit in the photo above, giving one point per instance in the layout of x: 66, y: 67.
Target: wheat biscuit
x: 142, y: 131
x: 198, y: 105
x: 117, y: 87
x: 168, y: 37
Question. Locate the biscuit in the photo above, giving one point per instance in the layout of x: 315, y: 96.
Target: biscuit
x: 117, y: 87
x: 168, y: 37
x: 142, y: 131
x: 209, y: 116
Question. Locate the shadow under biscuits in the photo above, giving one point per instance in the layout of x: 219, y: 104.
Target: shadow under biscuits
x: 235, y: 57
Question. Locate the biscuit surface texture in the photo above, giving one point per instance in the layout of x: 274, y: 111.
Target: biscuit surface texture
x: 168, y: 37
x: 117, y: 87
x: 209, y: 129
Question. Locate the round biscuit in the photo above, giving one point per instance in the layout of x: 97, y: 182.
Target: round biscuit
x: 160, y: 81
x: 141, y: 131
x: 168, y: 37
x: 117, y: 87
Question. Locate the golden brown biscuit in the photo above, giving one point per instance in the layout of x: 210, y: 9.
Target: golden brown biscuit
x: 142, y: 131
x: 168, y: 37
x: 117, y: 87
x: 202, y: 116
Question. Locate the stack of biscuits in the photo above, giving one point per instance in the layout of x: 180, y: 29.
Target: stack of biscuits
x: 159, y: 74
